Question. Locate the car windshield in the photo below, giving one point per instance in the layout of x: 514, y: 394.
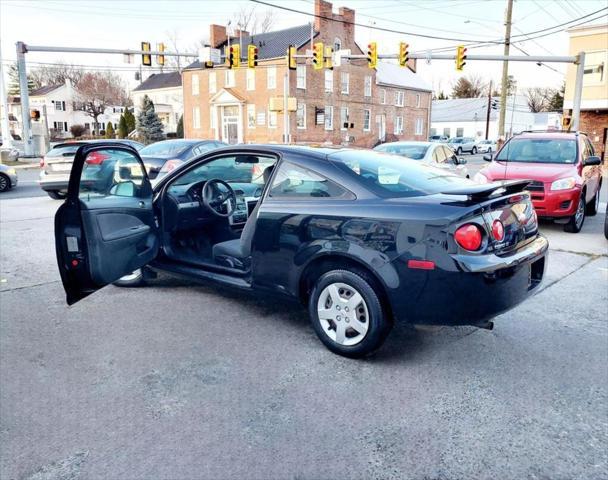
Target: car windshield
x: 456, y: 140
x: 388, y: 176
x: 415, y: 152
x: 63, y: 150
x: 539, y: 150
x: 165, y: 148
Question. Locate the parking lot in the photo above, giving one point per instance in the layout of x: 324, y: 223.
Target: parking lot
x: 179, y: 381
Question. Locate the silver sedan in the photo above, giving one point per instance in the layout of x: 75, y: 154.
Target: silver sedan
x: 8, y: 178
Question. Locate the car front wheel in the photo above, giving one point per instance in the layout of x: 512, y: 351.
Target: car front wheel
x: 5, y: 183
x: 459, y: 151
x: 474, y: 151
x: 56, y: 194
x: 575, y: 224
x: 347, y: 315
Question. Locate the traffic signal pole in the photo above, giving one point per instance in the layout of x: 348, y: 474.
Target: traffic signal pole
x: 505, y: 73
x: 488, y: 112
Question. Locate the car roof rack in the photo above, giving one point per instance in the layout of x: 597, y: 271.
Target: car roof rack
x: 576, y: 132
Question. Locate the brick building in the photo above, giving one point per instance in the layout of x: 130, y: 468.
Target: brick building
x: 351, y: 104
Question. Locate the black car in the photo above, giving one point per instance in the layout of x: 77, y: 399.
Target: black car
x: 363, y: 239
x: 162, y: 157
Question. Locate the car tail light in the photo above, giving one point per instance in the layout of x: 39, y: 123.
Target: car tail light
x: 96, y: 158
x: 171, y: 165
x: 468, y: 237
x: 42, y: 162
x: 498, y: 230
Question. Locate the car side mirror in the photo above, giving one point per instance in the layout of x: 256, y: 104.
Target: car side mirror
x: 487, y: 157
x: 592, y: 161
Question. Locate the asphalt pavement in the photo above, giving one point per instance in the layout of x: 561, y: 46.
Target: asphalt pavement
x: 177, y: 380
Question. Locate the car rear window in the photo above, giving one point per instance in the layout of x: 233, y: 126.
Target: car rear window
x: 415, y: 152
x: 539, y: 150
x: 63, y: 150
x: 388, y: 176
x: 165, y: 148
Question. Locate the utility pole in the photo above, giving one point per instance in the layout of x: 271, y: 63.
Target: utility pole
x: 488, y: 112
x: 285, y: 107
x: 505, y: 72
x: 25, y: 101
x: 7, y: 139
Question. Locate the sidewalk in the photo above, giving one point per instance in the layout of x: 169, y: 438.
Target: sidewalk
x: 24, y: 163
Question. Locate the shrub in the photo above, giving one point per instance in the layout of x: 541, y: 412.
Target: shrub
x: 77, y: 130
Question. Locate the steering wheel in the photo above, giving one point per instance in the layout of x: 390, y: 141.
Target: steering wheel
x: 219, y: 197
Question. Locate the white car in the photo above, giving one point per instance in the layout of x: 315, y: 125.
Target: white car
x: 486, y: 146
x: 431, y: 153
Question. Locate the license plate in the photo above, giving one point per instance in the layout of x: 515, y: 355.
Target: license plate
x: 62, y: 167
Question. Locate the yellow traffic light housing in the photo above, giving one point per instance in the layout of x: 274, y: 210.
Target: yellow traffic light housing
x: 146, y: 58
x: 317, y: 56
x: 461, y: 56
x: 372, y: 55
x: 252, y: 56
x: 329, y: 53
x: 234, y: 56
x: 291, y: 57
x: 160, y: 59
x: 403, y: 53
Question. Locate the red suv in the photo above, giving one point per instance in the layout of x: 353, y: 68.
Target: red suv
x: 565, y: 172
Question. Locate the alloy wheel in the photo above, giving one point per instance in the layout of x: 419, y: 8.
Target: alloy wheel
x: 343, y: 314
x: 579, y: 216
x: 3, y: 183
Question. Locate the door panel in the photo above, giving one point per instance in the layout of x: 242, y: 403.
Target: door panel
x: 107, y: 226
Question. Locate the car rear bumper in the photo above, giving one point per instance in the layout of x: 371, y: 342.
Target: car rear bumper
x: 556, y: 204
x: 54, y: 182
x: 482, y: 287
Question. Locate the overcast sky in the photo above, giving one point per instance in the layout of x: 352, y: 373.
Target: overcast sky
x: 125, y: 23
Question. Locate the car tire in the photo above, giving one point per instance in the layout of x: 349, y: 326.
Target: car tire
x: 56, y: 194
x: 366, y: 329
x: 132, y: 280
x: 5, y: 183
x: 474, y: 151
x: 575, y: 224
x: 594, y: 205
x: 489, y: 150
x: 459, y: 151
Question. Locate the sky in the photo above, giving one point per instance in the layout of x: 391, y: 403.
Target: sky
x: 125, y: 23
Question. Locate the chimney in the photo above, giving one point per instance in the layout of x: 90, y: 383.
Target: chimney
x: 217, y: 35
x: 322, y: 9
x: 348, y: 16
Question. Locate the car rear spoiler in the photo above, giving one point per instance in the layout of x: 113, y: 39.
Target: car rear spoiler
x: 481, y: 191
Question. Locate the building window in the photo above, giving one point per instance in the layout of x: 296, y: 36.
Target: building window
x: 301, y: 116
x: 344, y: 82
x: 399, y: 98
x: 272, y: 119
x: 59, y: 105
x: 383, y: 96
x: 419, y: 126
x: 447, y: 132
x: 417, y: 100
x: 367, y: 120
x: 195, y: 84
x: 367, y: 91
x: 271, y: 78
x: 212, y: 82
x: 329, y: 81
x: 301, y: 76
x: 251, y: 79
x: 398, y: 126
x: 229, y: 78
x: 459, y: 132
x: 251, y: 116
x: 329, y: 117
x: 594, y: 72
x: 343, y: 118
x: 196, y: 117
x: 337, y: 44
x: 212, y: 118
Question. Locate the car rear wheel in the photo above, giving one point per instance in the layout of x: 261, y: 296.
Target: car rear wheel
x: 132, y: 280
x: 474, y: 151
x: 489, y: 149
x: 575, y: 224
x: 346, y: 313
x: 594, y: 205
x: 5, y: 183
x: 56, y: 194
x: 459, y: 151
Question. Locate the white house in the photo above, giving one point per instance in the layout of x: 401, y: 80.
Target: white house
x: 165, y: 91
x: 466, y: 117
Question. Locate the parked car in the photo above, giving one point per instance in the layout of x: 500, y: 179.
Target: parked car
x: 439, y: 138
x: 162, y: 157
x: 486, y: 146
x: 430, y: 153
x: 8, y: 178
x: 565, y: 172
x: 57, y: 164
x: 463, y: 144
x: 362, y: 238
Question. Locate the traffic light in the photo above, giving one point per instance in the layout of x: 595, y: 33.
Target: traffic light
x: 146, y: 58
x: 404, y: 53
x: 160, y: 59
x: 317, y: 56
x: 461, y: 56
x: 329, y: 54
x: 252, y: 56
x: 291, y: 57
x: 372, y: 55
x: 35, y: 114
x: 234, y: 56
x: 494, y: 104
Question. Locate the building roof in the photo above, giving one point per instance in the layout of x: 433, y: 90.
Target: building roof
x: 270, y: 44
x: 392, y: 74
x: 160, y: 80
x: 39, y: 92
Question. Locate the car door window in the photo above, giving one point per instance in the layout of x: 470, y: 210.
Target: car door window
x: 293, y: 181
x: 112, y: 173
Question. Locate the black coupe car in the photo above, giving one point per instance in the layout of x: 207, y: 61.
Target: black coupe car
x: 363, y: 239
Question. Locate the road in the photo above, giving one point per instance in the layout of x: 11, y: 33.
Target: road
x: 176, y: 380
x: 27, y: 186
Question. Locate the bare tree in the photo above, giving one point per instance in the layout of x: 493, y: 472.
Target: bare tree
x: 471, y: 86
x: 97, y: 91
x: 56, y: 74
x: 250, y: 20
x: 539, y: 98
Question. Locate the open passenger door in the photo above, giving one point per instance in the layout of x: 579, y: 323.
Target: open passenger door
x: 106, y: 227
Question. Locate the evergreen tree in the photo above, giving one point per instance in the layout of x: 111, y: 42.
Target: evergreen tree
x: 556, y: 103
x: 149, y: 126
x: 122, y: 127
x: 130, y: 119
x: 13, y: 81
x: 179, y: 133
x: 109, y: 130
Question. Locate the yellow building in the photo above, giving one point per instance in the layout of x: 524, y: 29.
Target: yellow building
x: 593, y: 40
